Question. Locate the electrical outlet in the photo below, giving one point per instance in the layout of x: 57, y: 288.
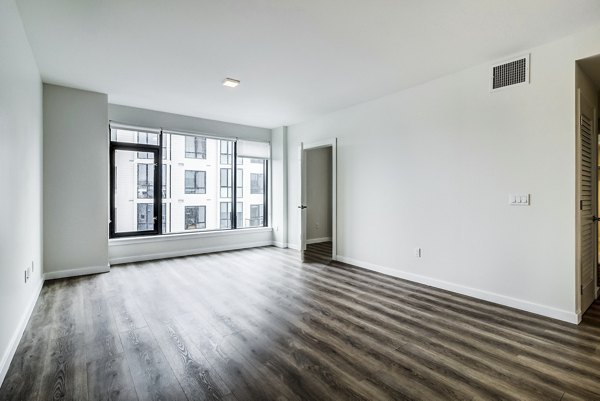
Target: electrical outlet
x: 418, y: 252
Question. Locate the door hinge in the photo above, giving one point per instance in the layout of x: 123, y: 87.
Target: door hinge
x: 580, y: 205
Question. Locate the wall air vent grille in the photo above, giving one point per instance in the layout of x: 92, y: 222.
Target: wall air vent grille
x: 513, y: 72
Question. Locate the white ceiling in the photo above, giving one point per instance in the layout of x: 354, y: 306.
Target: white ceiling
x: 296, y: 58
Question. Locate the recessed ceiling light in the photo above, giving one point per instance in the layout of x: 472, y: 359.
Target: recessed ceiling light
x: 230, y: 82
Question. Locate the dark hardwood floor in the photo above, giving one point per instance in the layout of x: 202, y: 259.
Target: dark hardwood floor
x: 319, y: 252
x: 258, y: 325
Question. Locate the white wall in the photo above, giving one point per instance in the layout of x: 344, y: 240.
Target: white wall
x: 126, y: 250
x: 432, y: 167
x: 20, y: 175
x: 318, y: 194
x: 75, y: 181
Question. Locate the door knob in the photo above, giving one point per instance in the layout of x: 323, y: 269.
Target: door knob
x: 595, y: 219
x: 302, y: 207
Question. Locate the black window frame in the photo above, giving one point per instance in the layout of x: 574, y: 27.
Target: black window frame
x: 157, y: 201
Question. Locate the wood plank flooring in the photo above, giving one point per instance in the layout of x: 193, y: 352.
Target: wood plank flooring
x: 259, y: 325
x: 319, y: 252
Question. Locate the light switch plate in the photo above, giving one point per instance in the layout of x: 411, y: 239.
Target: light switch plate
x: 519, y: 199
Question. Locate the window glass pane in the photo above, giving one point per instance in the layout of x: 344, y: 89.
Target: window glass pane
x: 225, y: 182
x: 134, y: 136
x: 195, y: 147
x: 239, y: 182
x: 145, y: 181
x: 196, y: 181
x: 225, y: 215
x: 226, y: 153
x: 134, y: 193
x: 195, y: 217
x: 256, y: 183
x: 239, y: 214
x: 250, y: 207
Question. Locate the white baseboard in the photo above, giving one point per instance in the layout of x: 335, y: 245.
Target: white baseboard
x: 81, y: 271
x: 570, y: 317
x: 279, y: 244
x: 186, y: 252
x: 317, y: 240
x: 18, y: 333
x: 295, y: 247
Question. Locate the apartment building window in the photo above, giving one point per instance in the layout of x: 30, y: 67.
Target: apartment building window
x: 225, y: 215
x: 225, y: 180
x: 239, y: 183
x: 146, y: 138
x: 256, y: 183
x: 195, y: 147
x: 195, y: 182
x: 226, y: 152
x: 145, y: 181
x: 157, y: 190
x: 195, y: 217
x: 145, y: 216
x: 165, y: 180
x: 239, y: 211
x: 256, y: 215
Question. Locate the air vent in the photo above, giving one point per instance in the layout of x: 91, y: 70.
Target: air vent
x: 510, y: 73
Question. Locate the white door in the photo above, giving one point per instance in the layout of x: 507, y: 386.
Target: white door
x: 302, y: 206
x: 587, y: 146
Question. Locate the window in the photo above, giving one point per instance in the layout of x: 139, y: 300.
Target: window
x: 145, y: 216
x: 239, y: 182
x: 195, y: 182
x: 239, y: 211
x: 195, y: 147
x: 254, y: 174
x: 226, y: 152
x: 145, y: 181
x: 225, y: 183
x: 158, y: 192
x: 147, y: 138
x: 166, y: 148
x: 256, y: 215
x: 225, y: 215
x: 165, y: 169
x: 256, y: 183
x: 195, y: 217
x: 164, y: 218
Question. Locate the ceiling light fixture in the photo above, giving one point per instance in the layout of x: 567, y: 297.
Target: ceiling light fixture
x: 230, y: 82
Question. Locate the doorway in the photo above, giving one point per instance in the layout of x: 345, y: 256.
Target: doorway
x: 318, y: 202
x: 587, y: 80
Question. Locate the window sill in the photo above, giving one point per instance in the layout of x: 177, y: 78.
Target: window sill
x: 185, y: 236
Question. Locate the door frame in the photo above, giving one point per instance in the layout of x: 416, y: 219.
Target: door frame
x: 325, y: 143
